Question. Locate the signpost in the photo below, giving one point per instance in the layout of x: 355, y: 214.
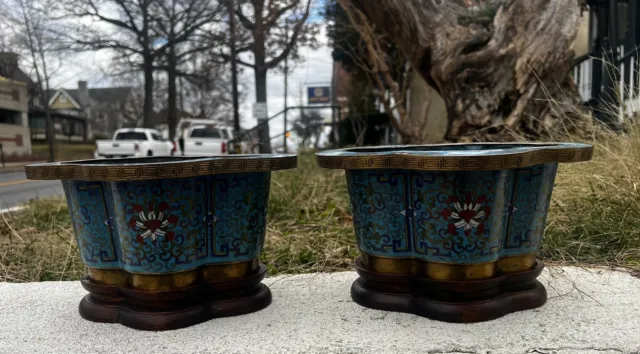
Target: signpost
x: 260, y: 110
x: 319, y: 94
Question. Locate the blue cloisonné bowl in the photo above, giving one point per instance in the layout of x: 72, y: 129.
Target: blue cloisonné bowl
x: 451, y: 212
x: 165, y: 223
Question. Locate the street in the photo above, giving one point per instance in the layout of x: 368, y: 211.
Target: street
x: 15, y: 189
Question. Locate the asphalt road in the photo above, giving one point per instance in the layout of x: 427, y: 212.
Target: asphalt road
x: 16, y: 189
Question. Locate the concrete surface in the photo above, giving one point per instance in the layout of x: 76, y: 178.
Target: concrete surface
x: 16, y: 189
x: 589, y: 311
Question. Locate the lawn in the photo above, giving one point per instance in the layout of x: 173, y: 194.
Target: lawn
x: 594, y: 220
x: 64, y: 152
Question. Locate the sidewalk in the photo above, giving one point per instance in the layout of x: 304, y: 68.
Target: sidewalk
x: 588, y: 311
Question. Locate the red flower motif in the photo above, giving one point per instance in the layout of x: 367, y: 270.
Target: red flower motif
x: 467, y: 215
x: 151, y: 224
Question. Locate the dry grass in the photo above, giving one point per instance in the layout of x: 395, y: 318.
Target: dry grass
x: 594, y: 220
x: 64, y: 152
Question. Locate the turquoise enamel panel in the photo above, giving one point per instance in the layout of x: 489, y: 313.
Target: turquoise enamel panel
x: 169, y: 225
x: 529, y: 204
x: 463, y: 217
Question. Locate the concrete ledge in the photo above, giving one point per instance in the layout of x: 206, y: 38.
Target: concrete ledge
x: 589, y: 311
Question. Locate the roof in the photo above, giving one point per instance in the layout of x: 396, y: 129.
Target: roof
x: 100, y: 95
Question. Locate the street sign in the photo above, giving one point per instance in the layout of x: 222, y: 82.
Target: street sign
x: 260, y: 110
x: 318, y: 94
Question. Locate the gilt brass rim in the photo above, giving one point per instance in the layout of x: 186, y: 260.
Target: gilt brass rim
x: 146, y: 168
x: 448, y: 271
x: 174, y: 281
x: 417, y: 157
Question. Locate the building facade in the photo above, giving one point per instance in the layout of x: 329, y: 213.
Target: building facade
x: 104, y: 109
x: 14, y: 107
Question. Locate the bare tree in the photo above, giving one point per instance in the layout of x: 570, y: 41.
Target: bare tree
x: 389, y: 76
x: 207, y: 91
x: 179, y: 23
x: 123, y: 27
x: 33, y: 34
x: 269, y: 24
x: 500, y: 67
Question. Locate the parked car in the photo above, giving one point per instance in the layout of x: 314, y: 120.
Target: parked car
x: 134, y: 142
x: 203, y: 140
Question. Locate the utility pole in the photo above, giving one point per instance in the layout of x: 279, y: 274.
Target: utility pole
x: 286, y: 86
x: 234, y: 68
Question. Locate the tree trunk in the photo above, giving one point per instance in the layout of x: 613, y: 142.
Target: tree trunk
x: 172, y: 106
x: 260, y: 71
x: 261, y: 97
x: 499, y: 71
x: 147, y: 111
x: 147, y: 68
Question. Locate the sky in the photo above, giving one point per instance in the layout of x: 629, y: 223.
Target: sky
x: 315, y: 68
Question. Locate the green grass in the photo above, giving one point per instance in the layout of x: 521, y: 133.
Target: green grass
x: 64, y: 152
x: 594, y: 220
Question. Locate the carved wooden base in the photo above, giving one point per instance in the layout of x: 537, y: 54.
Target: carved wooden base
x: 166, y: 310
x: 450, y: 301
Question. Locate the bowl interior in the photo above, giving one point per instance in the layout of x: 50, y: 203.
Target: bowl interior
x: 447, y: 148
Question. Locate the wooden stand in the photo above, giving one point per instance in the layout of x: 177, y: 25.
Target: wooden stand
x: 166, y: 310
x: 450, y: 301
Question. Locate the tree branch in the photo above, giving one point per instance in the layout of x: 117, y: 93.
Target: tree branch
x: 292, y: 41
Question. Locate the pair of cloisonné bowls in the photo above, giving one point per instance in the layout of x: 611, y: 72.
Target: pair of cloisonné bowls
x: 173, y: 241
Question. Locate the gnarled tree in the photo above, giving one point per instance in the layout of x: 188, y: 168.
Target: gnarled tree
x: 500, y: 68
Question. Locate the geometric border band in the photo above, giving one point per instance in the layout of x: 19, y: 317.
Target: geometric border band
x: 79, y: 170
x: 352, y: 159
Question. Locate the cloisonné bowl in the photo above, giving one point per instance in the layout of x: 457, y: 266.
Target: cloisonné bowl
x: 167, y: 225
x: 451, y: 212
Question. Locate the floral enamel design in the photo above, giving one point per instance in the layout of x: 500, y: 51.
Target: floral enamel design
x: 152, y: 224
x: 467, y: 214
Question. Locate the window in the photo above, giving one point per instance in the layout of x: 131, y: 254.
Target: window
x: 130, y: 136
x: 205, y: 133
x: 156, y: 136
x: 79, y: 129
x: 62, y: 98
x: 9, y: 117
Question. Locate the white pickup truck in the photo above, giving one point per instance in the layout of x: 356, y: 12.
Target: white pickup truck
x: 134, y: 142
x: 203, y: 140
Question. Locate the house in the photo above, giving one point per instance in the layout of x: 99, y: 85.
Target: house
x: 105, y: 109
x: 14, y: 107
x: 607, y: 74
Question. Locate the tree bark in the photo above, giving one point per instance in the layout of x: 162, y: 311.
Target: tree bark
x: 260, y: 71
x: 498, y: 72
x: 147, y: 111
x: 147, y: 68
x: 172, y: 96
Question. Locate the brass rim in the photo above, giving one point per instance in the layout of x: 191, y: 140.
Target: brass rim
x: 136, y: 169
x: 394, y: 157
